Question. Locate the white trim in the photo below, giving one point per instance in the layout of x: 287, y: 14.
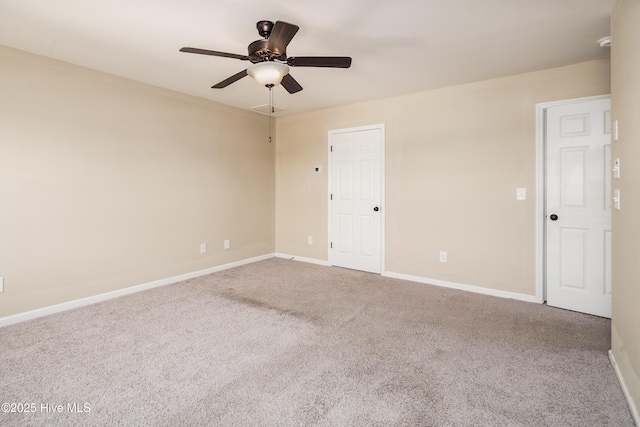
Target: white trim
x: 540, y: 203
x: 303, y: 259
x: 625, y: 390
x: 383, y: 206
x: 541, y: 108
x: 462, y: 287
x: 45, y: 311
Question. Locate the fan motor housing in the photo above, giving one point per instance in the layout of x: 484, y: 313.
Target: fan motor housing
x: 259, y: 51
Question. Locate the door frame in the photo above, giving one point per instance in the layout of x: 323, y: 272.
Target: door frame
x: 381, y: 128
x: 541, y: 190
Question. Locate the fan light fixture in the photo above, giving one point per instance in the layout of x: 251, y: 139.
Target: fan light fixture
x: 268, y: 72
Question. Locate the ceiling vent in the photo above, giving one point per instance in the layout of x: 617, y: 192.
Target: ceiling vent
x: 605, y: 42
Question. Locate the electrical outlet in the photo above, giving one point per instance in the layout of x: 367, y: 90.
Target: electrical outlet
x: 227, y: 244
x: 1, y: 284
x: 309, y: 240
x: 443, y: 257
x: 203, y: 248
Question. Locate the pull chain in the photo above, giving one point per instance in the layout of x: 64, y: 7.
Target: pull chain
x: 271, y: 109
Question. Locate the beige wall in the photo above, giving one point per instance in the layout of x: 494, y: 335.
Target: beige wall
x: 625, y: 97
x: 107, y: 183
x: 454, y: 158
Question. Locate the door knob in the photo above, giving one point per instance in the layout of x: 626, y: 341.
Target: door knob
x: 376, y: 209
x: 553, y: 217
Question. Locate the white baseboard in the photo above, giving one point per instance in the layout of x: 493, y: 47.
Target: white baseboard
x: 625, y: 390
x: 436, y: 282
x: 463, y: 287
x: 303, y: 259
x: 33, y: 314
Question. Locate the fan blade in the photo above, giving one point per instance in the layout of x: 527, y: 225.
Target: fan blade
x: 290, y: 84
x: 320, y: 61
x: 213, y: 53
x: 232, y: 79
x: 280, y: 36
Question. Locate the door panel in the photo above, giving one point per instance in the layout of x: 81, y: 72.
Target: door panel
x: 572, y: 253
x: 578, y: 181
x: 345, y: 233
x: 572, y: 176
x: 367, y: 231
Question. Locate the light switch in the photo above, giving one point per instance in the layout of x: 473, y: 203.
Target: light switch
x: 616, y: 169
x: 521, y: 194
x: 616, y: 199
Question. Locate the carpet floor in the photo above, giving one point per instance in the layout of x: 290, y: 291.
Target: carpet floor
x: 284, y: 343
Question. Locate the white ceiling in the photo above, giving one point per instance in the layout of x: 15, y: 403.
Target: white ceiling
x: 398, y: 47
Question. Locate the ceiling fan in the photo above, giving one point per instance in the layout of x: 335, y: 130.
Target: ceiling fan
x: 269, y: 58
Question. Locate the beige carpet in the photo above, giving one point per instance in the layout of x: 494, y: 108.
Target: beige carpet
x: 283, y: 343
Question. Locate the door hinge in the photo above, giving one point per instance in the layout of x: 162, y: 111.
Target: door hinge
x: 331, y: 245
x: 331, y: 148
x: 331, y: 196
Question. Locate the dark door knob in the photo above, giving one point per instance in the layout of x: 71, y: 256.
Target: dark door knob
x: 553, y: 217
x: 376, y: 209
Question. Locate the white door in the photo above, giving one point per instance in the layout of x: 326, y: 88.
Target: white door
x: 356, y: 196
x: 578, y: 207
